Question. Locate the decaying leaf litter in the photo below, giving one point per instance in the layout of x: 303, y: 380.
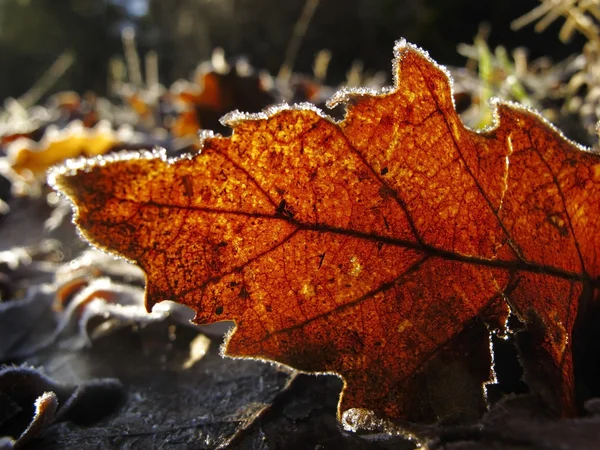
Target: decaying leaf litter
x: 287, y: 210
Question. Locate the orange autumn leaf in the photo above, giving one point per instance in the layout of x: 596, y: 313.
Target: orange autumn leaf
x: 378, y: 248
x: 57, y: 146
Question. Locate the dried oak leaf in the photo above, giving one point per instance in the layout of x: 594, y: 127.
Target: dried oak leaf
x: 374, y: 248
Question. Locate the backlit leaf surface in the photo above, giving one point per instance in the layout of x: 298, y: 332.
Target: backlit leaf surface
x: 378, y: 248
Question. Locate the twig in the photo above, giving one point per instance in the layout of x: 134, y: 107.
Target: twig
x: 51, y: 76
x: 116, y: 74
x: 320, y: 65
x: 300, y: 28
x: 132, y: 58
x: 151, y: 63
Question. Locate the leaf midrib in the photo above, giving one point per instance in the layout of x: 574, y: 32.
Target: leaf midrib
x: 430, y: 250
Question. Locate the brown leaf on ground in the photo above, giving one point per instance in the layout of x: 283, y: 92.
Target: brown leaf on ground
x: 216, y: 91
x: 376, y: 248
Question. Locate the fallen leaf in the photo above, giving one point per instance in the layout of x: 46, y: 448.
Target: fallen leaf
x: 27, y: 323
x: 56, y: 146
x: 375, y: 248
x: 202, y: 406
x: 218, y: 88
x: 31, y: 126
x: 45, y: 410
x: 30, y: 401
x: 516, y: 423
x: 26, y: 316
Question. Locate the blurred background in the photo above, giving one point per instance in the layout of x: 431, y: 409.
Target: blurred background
x: 88, y: 34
